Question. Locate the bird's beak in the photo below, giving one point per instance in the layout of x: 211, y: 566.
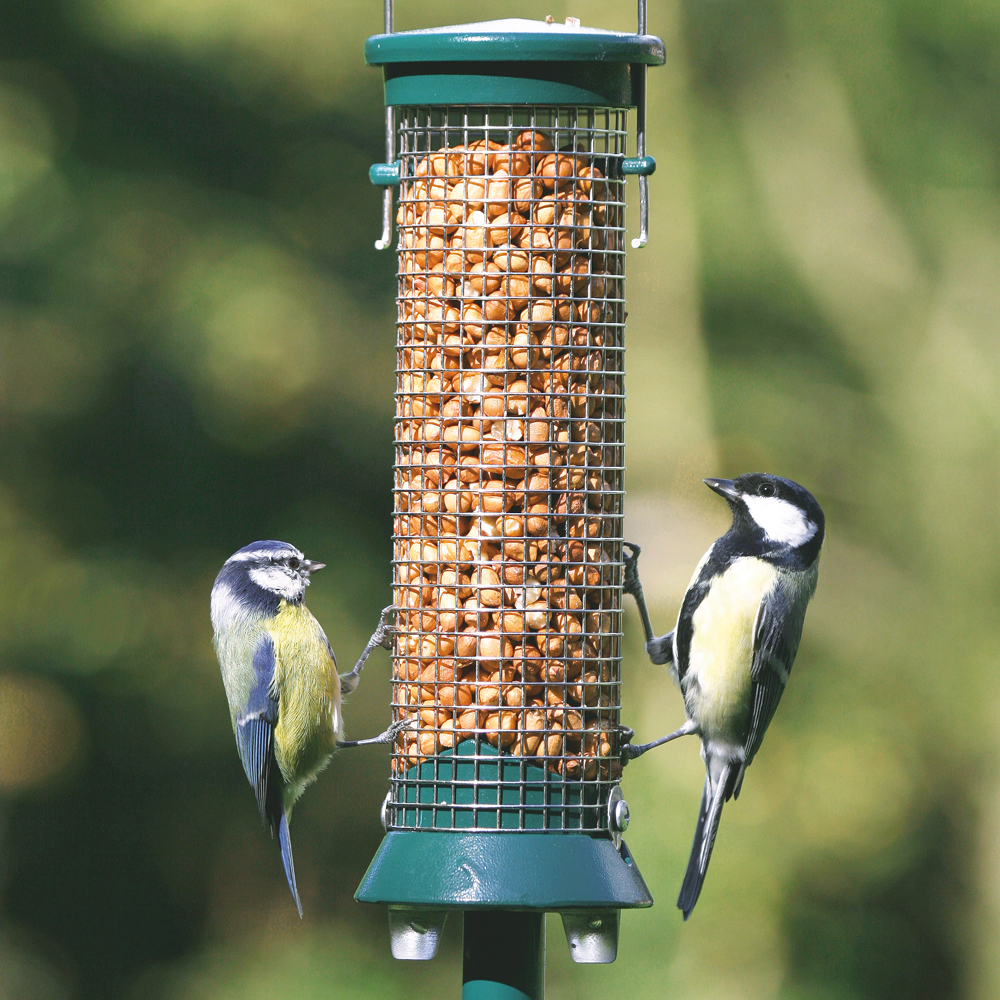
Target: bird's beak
x: 311, y: 567
x: 724, y: 487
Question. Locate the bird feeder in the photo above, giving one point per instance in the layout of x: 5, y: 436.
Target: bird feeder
x: 507, y: 141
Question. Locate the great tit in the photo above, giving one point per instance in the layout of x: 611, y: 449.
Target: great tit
x: 736, y: 637
x: 281, y: 679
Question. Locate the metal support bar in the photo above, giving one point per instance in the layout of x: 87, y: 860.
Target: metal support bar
x: 390, y: 153
x: 640, y: 154
x: 503, y: 955
x: 640, y: 139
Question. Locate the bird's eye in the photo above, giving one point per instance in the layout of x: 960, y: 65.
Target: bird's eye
x: 766, y: 489
x: 293, y: 563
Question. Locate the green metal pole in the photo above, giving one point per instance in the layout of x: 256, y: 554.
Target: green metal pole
x: 503, y: 955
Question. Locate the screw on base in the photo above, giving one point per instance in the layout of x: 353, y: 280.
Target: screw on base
x: 617, y: 816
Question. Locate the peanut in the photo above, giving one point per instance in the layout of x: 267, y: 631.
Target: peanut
x: 509, y: 406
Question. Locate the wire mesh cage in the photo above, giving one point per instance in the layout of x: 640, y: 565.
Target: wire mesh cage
x: 509, y: 467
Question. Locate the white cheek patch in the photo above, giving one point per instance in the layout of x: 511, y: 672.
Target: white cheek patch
x: 782, y: 521
x: 275, y: 579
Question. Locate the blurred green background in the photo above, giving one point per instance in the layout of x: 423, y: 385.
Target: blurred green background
x: 196, y: 351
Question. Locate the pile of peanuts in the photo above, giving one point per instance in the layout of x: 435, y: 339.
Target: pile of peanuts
x: 509, y: 455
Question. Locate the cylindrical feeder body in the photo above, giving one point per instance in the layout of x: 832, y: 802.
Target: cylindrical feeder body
x: 510, y: 139
x: 509, y: 464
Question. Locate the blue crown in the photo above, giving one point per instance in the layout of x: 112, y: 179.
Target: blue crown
x: 268, y: 548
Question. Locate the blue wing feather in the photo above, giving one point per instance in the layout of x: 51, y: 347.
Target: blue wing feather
x: 262, y: 697
x: 255, y: 735
x: 255, y: 741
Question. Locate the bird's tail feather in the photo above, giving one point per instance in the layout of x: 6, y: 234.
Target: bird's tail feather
x: 704, y: 840
x: 285, y: 840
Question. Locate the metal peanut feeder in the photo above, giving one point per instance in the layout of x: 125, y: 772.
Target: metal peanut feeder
x: 507, y: 141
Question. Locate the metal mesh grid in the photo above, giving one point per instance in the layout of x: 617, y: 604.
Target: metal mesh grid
x: 509, y: 467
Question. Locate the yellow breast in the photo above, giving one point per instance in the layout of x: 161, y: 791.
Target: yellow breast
x: 717, y: 683
x: 308, y: 691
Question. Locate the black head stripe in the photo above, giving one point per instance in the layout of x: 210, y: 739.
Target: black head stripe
x: 250, y: 595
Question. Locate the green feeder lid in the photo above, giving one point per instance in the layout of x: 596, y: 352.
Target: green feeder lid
x: 511, y: 61
x: 514, y: 39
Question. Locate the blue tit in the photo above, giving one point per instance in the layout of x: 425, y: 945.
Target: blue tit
x: 736, y: 637
x: 281, y: 679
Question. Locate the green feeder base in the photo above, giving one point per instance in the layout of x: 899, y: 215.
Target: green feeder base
x: 423, y: 875
x: 507, y: 871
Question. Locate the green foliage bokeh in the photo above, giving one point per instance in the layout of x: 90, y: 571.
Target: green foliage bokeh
x: 196, y: 351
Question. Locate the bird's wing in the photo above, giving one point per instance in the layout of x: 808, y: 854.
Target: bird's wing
x: 685, y: 630
x: 777, y: 630
x: 255, y: 734
x: 712, y: 563
x: 329, y: 648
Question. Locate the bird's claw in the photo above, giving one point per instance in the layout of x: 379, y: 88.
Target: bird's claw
x: 631, y: 584
x: 626, y: 754
x: 399, y: 727
x: 384, y: 633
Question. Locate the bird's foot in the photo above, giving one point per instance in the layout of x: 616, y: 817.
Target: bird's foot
x: 632, y: 750
x: 384, y: 633
x: 627, y: 750
x: 632, y: 585
x: 382, y: 636
x: 399, y: 727
x: 389, y: 736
